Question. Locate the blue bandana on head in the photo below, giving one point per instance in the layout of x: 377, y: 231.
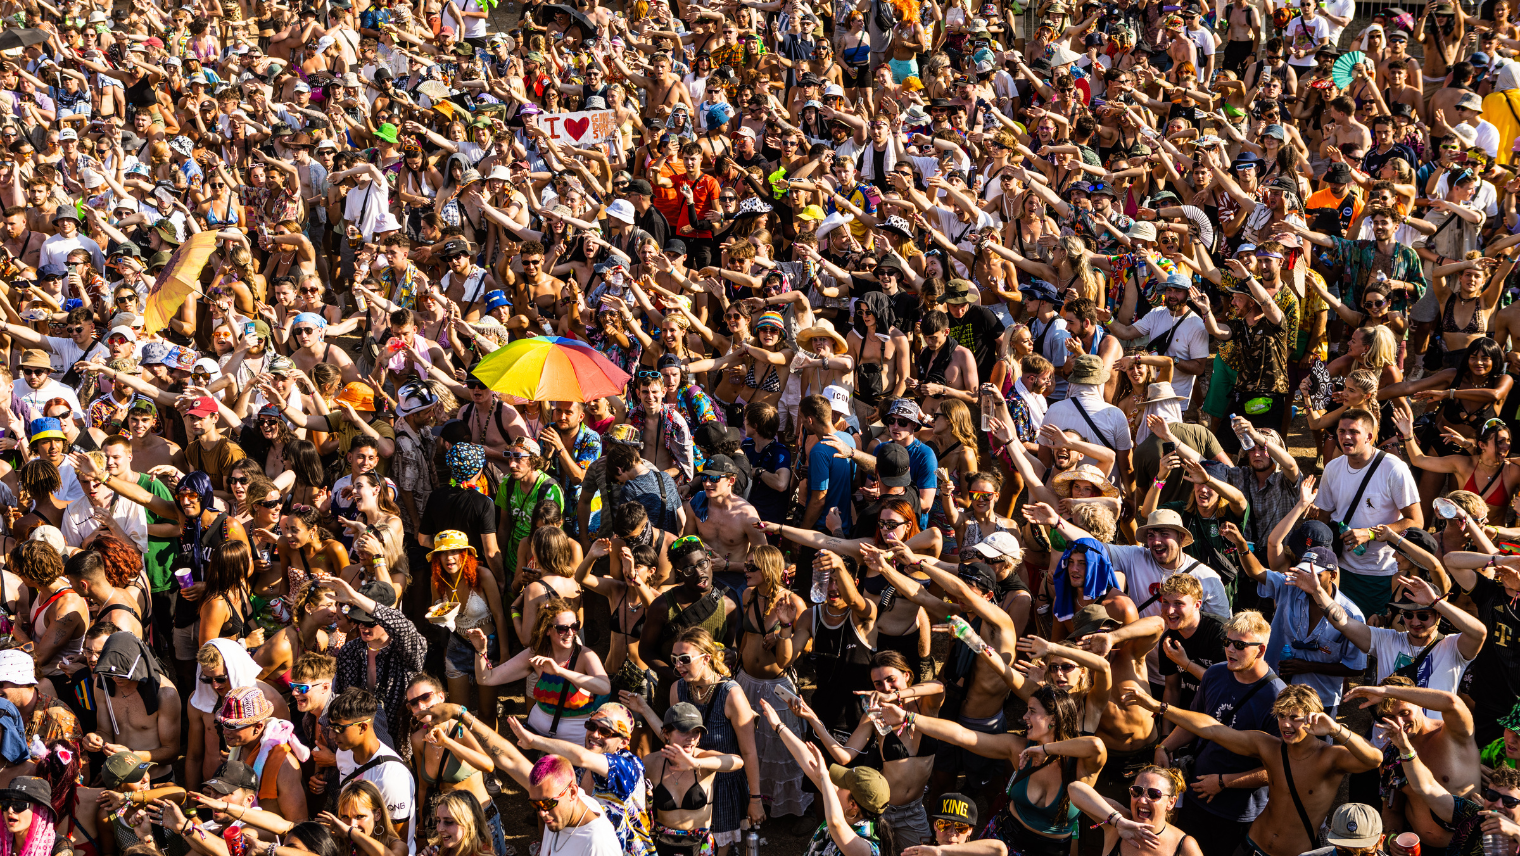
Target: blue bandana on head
x: 1100, y: 577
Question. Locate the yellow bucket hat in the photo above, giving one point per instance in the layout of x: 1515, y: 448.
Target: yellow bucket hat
x: 450, y: 539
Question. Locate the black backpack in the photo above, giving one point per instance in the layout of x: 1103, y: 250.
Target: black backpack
x: 884, y: 16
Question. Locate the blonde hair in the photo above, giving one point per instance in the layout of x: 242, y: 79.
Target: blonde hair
x: 1182, y: 584
x: 1097, y: 520
x: 1382, y: 349
x: 1086, y: 276
x: 1365, y: 380
x: 1298, y: 698
x: 1173, y: 777
x: 772, y: 565
x: 1249, y: 622
x: 699, y: 638
x: 1471, y: 503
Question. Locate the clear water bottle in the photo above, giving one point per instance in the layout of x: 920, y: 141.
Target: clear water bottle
x: 963, y: 632
x: 1379, y: 278
x: 1495, y: 844
x: 1246, y: 442
x: 820, y: 592
x: 874, y: 714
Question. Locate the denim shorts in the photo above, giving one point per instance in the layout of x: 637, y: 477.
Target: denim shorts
x: 459, y: 657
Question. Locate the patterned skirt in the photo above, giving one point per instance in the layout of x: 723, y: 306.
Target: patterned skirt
x: 778, y: 770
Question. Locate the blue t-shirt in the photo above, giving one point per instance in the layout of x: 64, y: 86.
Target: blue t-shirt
x: 922, y: 462
x: 1219, y: 695
x: 769, y: 503
x: 833, y: 475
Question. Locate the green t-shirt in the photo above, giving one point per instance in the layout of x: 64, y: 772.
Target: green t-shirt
x: 519, y: 505
x: 1493, y: 756
x: 159, y: 559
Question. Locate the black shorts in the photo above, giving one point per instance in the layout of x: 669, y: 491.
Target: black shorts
x: 1237, y: 55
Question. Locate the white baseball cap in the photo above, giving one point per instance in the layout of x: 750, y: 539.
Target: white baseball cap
x: 839, y: 399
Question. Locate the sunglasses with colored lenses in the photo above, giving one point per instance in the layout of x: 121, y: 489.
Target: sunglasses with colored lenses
x: 1241, y: 644
x: 1063, y: 668
x: 600, y: 730
x: 301, y: 689
x: 1494, y: 796
x: 981, y: 495
x: 1153, y: 793
x: 951, y: 826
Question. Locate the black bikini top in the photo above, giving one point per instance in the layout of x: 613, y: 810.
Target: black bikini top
x: 694, y: 799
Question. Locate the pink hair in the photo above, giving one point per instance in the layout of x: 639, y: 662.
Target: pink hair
x: 552, y: 769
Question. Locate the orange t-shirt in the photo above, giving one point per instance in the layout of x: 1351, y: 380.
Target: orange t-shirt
x: 668, y: 199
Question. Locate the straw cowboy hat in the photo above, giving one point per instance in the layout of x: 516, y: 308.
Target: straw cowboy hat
x: 823, y: 328
x: 1061, y: 484
x: 1165, y: 518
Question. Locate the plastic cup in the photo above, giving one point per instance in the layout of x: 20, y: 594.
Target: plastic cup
x: 185, y: 578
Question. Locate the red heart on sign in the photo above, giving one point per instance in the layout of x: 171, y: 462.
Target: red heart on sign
x: 577, y: 128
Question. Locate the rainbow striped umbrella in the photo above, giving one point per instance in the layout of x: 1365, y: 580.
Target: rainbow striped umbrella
x: 551, y: 368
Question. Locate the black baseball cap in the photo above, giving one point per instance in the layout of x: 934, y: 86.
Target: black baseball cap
x: 894, y: 466
x: 978, y: 574
x: 232, y: 776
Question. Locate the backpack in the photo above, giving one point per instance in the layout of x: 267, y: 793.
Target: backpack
x: 883, y: 15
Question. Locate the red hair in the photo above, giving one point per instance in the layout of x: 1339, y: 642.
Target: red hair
x: 466, y: 574
x: 122, y: 562
x: 903, y: 509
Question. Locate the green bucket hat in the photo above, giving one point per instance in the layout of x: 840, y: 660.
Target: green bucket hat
x: 387, y: 132
x: 1511, y: 720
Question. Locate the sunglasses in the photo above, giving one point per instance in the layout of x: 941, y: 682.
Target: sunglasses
x: 14, y: 806
x: 269, y: 503
x: 242, y: 480
x: 900, y: 422
x: 567, y: 628
x: 30, y: 372
x: 548, y: 804
x: 687, y: 659
x: 1241, y: 644
x: 420, y: 701
x: 941, y: 823
x: 981, y: 495
x: 600, y: 730
x: 889, y: 525
x: 1375, y: 304
x: 1153, y: 793
x: 303, y: 331
x: 208, y: 680
x: 1488, y: 793
x: 302, y: 689
x: 268, y: 423
x: 311, y: 291
x: 1421, y: 615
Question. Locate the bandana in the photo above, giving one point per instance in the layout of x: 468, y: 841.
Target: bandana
x: 1100, y: 577
x: 467, y: 463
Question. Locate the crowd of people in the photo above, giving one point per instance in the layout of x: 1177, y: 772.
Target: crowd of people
x: 946, y: 495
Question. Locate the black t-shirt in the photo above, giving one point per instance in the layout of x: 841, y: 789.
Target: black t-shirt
x: 470, y: 512
x: 867, y: 515
x: 747, y: 161
x: 1497, y: 666
x: 653, y: 222
x: 977, y: 331
x: 1205, y: 647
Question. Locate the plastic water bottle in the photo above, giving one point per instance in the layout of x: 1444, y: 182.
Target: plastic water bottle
x: 1246, y: 442
x: 963, y: 632
x: 1381, y: 278
x: 820, y: 592
x: 874, y: 714
x: 1495, y: 844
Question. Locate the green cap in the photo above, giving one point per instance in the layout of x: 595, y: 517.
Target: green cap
x: 124, y: 768
x: 868, y: 787
x: 261, y: 329
x: 387, y: 132
x: 158, y: 260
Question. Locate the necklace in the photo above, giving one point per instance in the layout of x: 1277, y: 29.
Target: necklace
x: 574, y: 821
x: 701, y: 694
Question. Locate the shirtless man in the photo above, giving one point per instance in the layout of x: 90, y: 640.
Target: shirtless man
x: 653, y: 413
x: 1398, y: 44
x: 1446, y: 746
x: 1314, y: 769
x: 689, y: 600
x: 123, y: 721
x: 465, y: 284
x: 107, y: 602
x: 1343, y: 131
x: 1244, y: 36
x: 665, y: 89
x: 1442, y: 27
x: 724, y: 520
x: 307, y: 331
x: 1443, y: 111
x: 534, y: 289
x: 21, y: 243
x: 1398, y: 90
x: 492, y: 422
x: 201, y: 755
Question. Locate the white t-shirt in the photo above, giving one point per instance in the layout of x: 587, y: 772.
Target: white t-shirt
x: 1392, y: 487
x: 1488, y: 137
x: 1190, y: 342
x: 1304, y: 36
x: 28, y: 403
x: 1143, y: 578
x: 1340, y: 9
x: 79, y: 521
x: 1109, y: 419
x: 1204, y: 40
x: 394, y: 779
x: 64, y: 353
x: 1485, y: 198
x: 1440, y: 671
x: 594, y: 838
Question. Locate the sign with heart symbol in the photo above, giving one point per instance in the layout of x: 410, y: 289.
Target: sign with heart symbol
x: 587, y: 128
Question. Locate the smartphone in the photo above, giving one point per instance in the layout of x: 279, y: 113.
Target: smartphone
x: 1168, y: 448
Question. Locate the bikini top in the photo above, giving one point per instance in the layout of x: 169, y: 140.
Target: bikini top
x: 695, y: 798
x: 893, y: 749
